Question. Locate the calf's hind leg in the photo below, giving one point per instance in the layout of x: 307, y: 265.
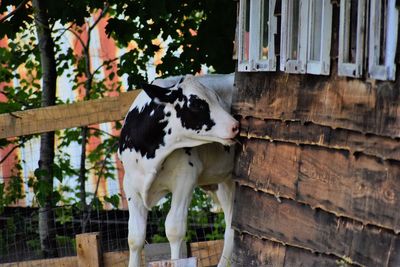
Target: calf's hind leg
x: 136, y: 228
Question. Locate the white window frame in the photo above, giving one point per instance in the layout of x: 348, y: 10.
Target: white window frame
x: 288, y: 64
x: 255, y: 63
x: 243, y: 65
x: 321, y: 66
x: 347, y: 68
x: 270, y: 63
x: 386, y: 71
x: 303, y: 62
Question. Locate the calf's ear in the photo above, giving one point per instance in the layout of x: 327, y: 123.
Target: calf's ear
x: 162, y: 95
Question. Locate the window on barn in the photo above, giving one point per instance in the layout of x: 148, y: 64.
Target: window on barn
x: 293, y: 36
x: 244, y: 38
x: 319, y: 37
x: 306, y: 36
x: 383, y: 26
x: 257, y: 26
x: 351, y: 37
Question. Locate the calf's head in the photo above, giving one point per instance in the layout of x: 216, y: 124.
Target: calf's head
x: 184, y: 115
x: 195, y: 113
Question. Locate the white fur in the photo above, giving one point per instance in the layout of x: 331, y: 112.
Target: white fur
x: 146, y: 180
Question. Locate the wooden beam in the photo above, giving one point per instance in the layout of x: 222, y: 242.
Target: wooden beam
x: 110, y: 259
x: 59, y: 262
x: 252, y: 251
x: 88, y: 250
x: 360, y: 187
x: 314, y: 134
x: 295, y: 224
x: 337, y: 102
x: 58, y: 117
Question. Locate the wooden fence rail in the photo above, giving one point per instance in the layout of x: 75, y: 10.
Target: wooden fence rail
x: 58, y: 117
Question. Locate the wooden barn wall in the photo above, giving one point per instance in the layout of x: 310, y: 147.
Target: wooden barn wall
x: 318, y: 171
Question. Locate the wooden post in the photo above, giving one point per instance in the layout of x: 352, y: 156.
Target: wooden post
x: 88, y: 250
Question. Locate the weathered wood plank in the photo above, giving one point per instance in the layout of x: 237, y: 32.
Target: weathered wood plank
x: 299, y: 225
x: 117, y: 259
x: 252, y: 251
x: 88, y: 250
x: 332, y: 101
x: 59, y: 262
x: 358, y: 187
x: 66, y: 116
x: 310, y: 133
x: 207, y: 253
x: 110, y: 259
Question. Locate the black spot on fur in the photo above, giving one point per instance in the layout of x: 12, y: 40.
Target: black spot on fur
x: 194, y: 114
x: 174, y: 94
x: 168, y: 114
x: 142, y: 132
x: 169, y: 131
x: 188, y: 151
x: 163, y: 94
x: 129, y: 199
x: 190, y: 163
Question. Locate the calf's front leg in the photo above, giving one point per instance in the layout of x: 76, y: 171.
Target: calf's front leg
x: 225, y: 194
x: 176, y: 222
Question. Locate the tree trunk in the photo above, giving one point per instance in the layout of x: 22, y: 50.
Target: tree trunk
x: 85, y: 136
x: 82, y: 180
x: 49, y: 76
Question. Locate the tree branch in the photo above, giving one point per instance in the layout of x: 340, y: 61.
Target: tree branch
x: 103, y: 12
x: 99, y: 178
x: 74, y: 33
x: 102, y: 169
x: 11, y: 151
x: 104, y: 63
x: 9, y: 15
x: 64, y: 30
x: 101, y: 131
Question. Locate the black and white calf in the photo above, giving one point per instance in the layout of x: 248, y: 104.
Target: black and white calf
x: 174, y: 138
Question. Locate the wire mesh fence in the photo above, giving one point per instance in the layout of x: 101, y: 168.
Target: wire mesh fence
x: 19, y: 234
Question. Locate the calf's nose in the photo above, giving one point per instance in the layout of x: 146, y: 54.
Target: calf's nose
x: 235, y: 129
